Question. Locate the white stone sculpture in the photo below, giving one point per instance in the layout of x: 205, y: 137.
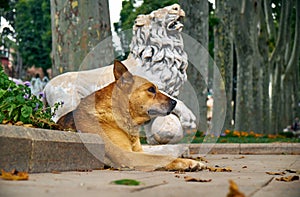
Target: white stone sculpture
x: 156, y: 53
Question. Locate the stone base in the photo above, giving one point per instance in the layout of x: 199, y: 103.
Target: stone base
x: 41, y: 150
x: 189, y: 150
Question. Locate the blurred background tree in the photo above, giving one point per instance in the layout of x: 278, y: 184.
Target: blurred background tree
x: 33, y: 32
x: 29, y: 35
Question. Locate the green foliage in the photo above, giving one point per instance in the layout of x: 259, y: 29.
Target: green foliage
x: 17, y: 104
x: 33, y: 28
x: 129, y: 12
x: 130, y: 182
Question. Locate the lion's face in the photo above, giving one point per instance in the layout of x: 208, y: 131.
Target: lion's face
x: 174, y: 17
x: 170, y: 17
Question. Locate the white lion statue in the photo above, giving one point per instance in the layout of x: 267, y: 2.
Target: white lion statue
x: 156, y: 53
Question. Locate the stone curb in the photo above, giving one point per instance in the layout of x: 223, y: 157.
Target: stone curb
x: 41, y: 150
x: 234, y: 148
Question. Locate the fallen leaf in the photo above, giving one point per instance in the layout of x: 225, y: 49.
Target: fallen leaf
x: 234, y: 190
x: 179, y: 172
x: 275, y: 173
x: 56, y: 172
x: 130, y: 182
x: 14, y: 175
x: 241, y: 157
x: 5, y: 121
x: 84, y: 170
x: 288, y: 178
x: 213, y: 169
x: 19, y: 123
x: 192, y: 179
x: 291, y: 171
x: 28, y: 125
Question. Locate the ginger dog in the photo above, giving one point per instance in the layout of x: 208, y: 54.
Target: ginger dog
x: 116, y: 112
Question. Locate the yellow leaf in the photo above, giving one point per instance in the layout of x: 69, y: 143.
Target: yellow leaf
x: 74, y: 4
x: 19, y: 123
x: 192, y: 179
x: 14, y: 175
x: 226, y: 169
x: 275, y: 173
x: 288, y: 178
x: 234, y: 190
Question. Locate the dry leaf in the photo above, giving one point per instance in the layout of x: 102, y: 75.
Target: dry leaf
x: 241, y: 157
x: 179, y: 172
x: 291, y: 170
x: 14, y: 175
x: 28, y: 125
x: 56, y: 172
x: 275, y: 173
x: 234, y: 190
x: 288, y: 178
x: 19, y: 123
x: 5, y: 121
x: 192, y: 179
x: 213, y: 169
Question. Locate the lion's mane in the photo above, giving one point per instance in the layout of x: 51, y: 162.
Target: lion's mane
x: 157, y: 45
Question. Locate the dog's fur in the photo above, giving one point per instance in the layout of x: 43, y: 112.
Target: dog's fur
x: 115, y: 113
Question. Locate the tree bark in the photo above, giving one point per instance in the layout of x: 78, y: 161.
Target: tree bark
x: 77, y: 27
x: 245, y: 23
x: 196, y: 26
x: 264, y: 35
x: 224, y: 54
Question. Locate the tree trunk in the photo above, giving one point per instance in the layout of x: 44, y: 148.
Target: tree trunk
x: 245, y: 24
x: 264, y: 34
x: 196, y: 26
x: 77, y: 27
x: 224, y: 54
x: 285, y: 62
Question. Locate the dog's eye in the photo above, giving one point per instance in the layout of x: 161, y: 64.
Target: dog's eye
x: 152, y: 90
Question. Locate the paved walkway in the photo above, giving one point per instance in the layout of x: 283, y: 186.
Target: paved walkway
x: 248, y: 171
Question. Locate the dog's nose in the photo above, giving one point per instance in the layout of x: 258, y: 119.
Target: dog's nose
x: 172, y: 104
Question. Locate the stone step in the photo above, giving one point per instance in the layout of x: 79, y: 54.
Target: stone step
x: 41, y: 150
x: 219, y: 148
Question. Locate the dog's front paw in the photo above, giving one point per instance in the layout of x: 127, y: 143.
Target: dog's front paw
x: 185, y: 165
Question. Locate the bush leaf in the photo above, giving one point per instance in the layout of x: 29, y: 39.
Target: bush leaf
x: 26, y: 111
x: 130, y: 182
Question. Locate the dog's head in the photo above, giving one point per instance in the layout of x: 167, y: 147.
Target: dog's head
x: 143, y: 98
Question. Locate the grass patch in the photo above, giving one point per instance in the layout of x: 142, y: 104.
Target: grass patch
x: 224, y: 139
x: 248, y: 137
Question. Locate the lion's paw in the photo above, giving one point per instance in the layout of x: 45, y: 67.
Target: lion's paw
x: 186, y: 116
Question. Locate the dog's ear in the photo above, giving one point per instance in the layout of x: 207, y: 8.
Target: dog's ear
x: 121, y: 72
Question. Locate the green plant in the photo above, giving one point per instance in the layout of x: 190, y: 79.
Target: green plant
x: 19, y: 105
